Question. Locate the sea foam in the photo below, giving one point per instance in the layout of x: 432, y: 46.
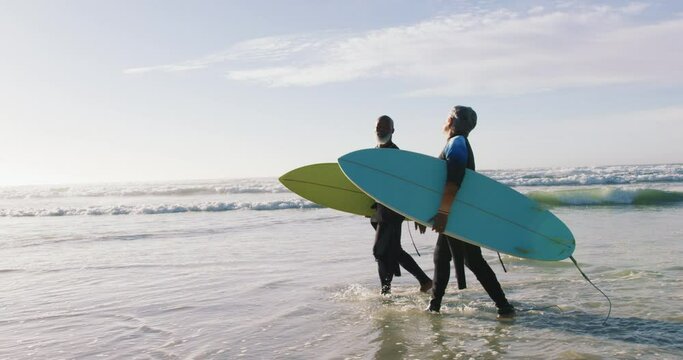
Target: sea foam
x: 601, y: 175
x: 256, y: 186
x: 578, y: 176
x: 159, y: 209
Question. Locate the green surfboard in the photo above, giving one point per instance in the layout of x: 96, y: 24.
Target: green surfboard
x: 325, y: 184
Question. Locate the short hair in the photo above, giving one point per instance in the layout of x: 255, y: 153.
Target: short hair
x: 386, y: 118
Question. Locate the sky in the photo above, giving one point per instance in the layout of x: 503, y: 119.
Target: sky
x: 142, y: 90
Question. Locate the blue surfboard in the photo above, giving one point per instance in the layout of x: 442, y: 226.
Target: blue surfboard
x: 485, y: 212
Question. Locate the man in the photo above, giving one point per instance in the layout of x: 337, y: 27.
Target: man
x: 387, y: 249
x: 459, y: 156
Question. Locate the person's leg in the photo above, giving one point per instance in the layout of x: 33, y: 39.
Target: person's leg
x: 458, y: 255
x: 408, y: 263
x: 385, y: 250
x: 481, y: 269
x: 442, y: 271
x: 385, y: 277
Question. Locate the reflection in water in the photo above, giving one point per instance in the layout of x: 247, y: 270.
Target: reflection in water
x: 440, y: 340
x: 391, y: 335
x: 403, y: 333
x: 399, y: 328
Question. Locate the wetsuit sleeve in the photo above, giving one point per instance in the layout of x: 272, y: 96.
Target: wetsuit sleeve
x: 456, y: 155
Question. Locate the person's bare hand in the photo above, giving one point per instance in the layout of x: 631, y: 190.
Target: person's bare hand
x: 421, y: 228
x: 439, y: 222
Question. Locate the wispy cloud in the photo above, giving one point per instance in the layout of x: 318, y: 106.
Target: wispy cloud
x: 487, y: 52
x: 266, y: 49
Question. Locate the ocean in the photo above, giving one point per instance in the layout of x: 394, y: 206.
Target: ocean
x: 230, y: 269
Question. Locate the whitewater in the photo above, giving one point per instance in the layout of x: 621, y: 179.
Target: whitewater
x: 612, y: 185
x: 223, y: 269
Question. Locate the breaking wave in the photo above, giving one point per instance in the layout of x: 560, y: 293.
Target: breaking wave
x: 140, y: 190
x: 606, y: 197
x: 577, y: 176
x: 600, y: 175
x: 159, y: 209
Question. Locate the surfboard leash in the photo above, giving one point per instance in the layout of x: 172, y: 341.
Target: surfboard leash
x: 411, y: 239
x: 501, y: 262
x: 590, y: 282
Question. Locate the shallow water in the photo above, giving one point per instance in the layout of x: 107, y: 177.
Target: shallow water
x: 302, y: 284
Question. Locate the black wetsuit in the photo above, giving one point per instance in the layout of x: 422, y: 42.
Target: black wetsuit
x: 387, y: 249
x: 462, y: 253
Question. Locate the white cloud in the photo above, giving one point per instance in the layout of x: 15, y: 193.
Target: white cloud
x: 494, y: 52
x: 635, y: 8
x: 267, y: 49
x: 536, y: 10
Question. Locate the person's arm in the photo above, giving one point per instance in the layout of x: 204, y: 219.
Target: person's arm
x: 441, y: 218
x: 455, y: 155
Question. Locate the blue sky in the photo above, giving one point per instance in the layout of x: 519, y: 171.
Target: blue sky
x: 103, y: 91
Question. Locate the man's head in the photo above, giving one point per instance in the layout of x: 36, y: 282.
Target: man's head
x: 460, y: 121
x: 384, y: 129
